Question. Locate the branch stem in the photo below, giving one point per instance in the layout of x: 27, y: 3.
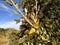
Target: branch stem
x: 23, y: 15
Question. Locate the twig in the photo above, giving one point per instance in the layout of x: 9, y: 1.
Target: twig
x: 23, y: 15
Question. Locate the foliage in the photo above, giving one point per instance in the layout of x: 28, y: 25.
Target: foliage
x: 46, y: 15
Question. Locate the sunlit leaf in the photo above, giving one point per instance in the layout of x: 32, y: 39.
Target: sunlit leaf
x: 17, y: 5
x: 15, y: 12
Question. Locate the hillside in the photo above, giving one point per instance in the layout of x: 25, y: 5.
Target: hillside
x: 7, y: 36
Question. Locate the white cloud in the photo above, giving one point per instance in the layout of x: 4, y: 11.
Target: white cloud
x: 11, y: 24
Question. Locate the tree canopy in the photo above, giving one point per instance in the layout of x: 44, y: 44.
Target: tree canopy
x: 41, y: 21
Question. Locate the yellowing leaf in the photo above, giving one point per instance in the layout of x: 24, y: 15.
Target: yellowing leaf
x: 7, y: 1
x: 36, y: 24
x: 16, y: 5
x: 32, y: 30
x: 26, y: 10
x: 15, y: 12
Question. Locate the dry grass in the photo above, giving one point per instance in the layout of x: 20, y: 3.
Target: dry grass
x: 3, y: 39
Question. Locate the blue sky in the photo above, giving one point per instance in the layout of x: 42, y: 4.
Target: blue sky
x: 7, y: 16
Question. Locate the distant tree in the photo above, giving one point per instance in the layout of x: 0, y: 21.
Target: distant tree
x: 41, y: 24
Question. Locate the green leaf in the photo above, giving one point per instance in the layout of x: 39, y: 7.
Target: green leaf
x: 17, y: 20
